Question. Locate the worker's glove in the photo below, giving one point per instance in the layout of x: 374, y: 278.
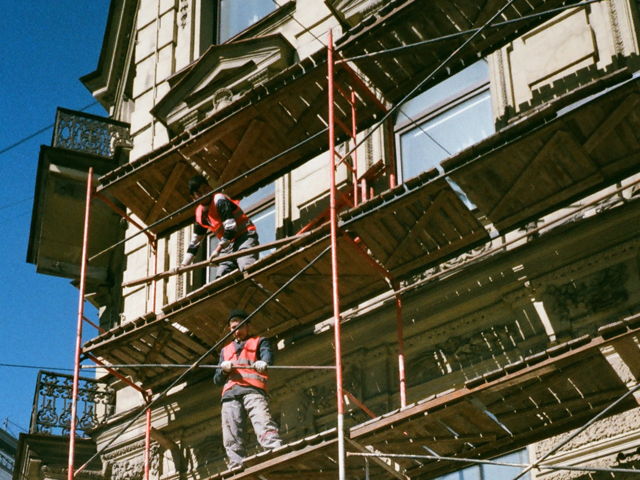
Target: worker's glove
x: 223, y: 243
x: 226, y: 366
x: 260, y: 366
x: 187, y: 260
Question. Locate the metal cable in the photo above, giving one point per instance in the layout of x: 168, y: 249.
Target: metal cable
x: 579, y: 431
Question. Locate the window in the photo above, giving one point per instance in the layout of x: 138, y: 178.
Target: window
x: 261, y: 208
x: 444, y: 120
x: 233, y: 16
x: 493, y: 472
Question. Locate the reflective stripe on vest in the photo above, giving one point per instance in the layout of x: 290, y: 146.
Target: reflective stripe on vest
x: 242, y: 376
x: 214, y: 222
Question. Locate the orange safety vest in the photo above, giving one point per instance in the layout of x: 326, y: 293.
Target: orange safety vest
x: 244, y: 376
x: 214, y: 222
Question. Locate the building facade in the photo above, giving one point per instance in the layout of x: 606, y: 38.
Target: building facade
x: 487, y: 202
x: 7, y: 454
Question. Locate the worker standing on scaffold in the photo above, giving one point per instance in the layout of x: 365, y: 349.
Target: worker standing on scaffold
x: 244, y: 390
x: 224, y: 217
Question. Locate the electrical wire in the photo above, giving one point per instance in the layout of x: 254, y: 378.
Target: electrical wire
x: 17, y: 202
x: 38, y: 132
x: 35, y: 367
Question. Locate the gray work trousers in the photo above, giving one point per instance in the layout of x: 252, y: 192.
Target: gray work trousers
x: 247, y: 240
x: 234, y: 414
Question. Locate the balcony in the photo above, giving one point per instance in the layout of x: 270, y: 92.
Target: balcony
x: 52, y: 404
x: 80, y: 141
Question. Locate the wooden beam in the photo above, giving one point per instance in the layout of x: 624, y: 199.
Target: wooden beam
x: 610, y: 123
x: 629, y: 352
x: 243, y: 150
x: 388, y: 465
x: 167, y: 190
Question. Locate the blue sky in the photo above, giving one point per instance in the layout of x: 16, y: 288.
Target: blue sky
x: 47, y: 46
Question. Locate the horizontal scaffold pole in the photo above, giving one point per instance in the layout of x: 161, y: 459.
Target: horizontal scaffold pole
x: 579, y: 468
x: 171, y: 365
x: 211, y: 261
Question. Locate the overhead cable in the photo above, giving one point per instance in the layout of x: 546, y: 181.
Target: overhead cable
x: 38, y: 132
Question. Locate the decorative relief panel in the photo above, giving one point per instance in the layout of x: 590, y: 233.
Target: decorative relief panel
x: 594, y: 293
x: 569, y: 50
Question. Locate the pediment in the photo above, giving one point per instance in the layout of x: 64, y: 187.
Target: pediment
x: 219, y: 76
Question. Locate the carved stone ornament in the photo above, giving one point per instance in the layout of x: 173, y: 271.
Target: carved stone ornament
x: 184, y: 13
x: 222, y: 98
x: 127, y: 469
x: 600, y: 291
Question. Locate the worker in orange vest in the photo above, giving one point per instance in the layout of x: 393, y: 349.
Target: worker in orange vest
x: 243, y: 375
x: 222, y: 216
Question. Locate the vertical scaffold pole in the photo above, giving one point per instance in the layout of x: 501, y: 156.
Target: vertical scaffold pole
x: 354, y: 155
x: 400, y: 333
x: 76, y: 368
x: 334, y: 262
x: 147, y: 445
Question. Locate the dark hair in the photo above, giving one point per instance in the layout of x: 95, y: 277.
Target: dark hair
x: 236, y: 314
x: 195, y: 183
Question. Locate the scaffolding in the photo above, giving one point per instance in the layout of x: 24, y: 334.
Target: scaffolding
x: 477, y: 404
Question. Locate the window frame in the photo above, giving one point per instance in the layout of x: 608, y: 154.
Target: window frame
x: 405, y: 125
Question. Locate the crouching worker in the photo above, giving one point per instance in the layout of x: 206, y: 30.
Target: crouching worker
x: 244, y: 391
x: 223, y: 217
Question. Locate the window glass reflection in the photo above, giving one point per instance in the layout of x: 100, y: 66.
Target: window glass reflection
x: 434, y: 140
x: 236, y: 15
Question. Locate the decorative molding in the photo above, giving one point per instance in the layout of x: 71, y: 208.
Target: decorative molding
x: 183, y: 13
x: 618, y: 41
x: 123, y: 451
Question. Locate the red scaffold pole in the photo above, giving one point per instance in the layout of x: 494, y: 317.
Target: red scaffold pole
x: 147, y: 445
x: 334, y: 262
x: 76, y: 367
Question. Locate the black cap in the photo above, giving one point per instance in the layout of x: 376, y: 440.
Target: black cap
x: 237, y: 314
x: 196, y: 182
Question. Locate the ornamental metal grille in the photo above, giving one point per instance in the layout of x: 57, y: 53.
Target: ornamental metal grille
x: 52, y: 404
x: 91, y: 134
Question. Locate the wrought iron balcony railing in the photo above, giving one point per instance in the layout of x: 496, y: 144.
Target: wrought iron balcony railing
x: 52, y: 404
x: 91, y: 134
